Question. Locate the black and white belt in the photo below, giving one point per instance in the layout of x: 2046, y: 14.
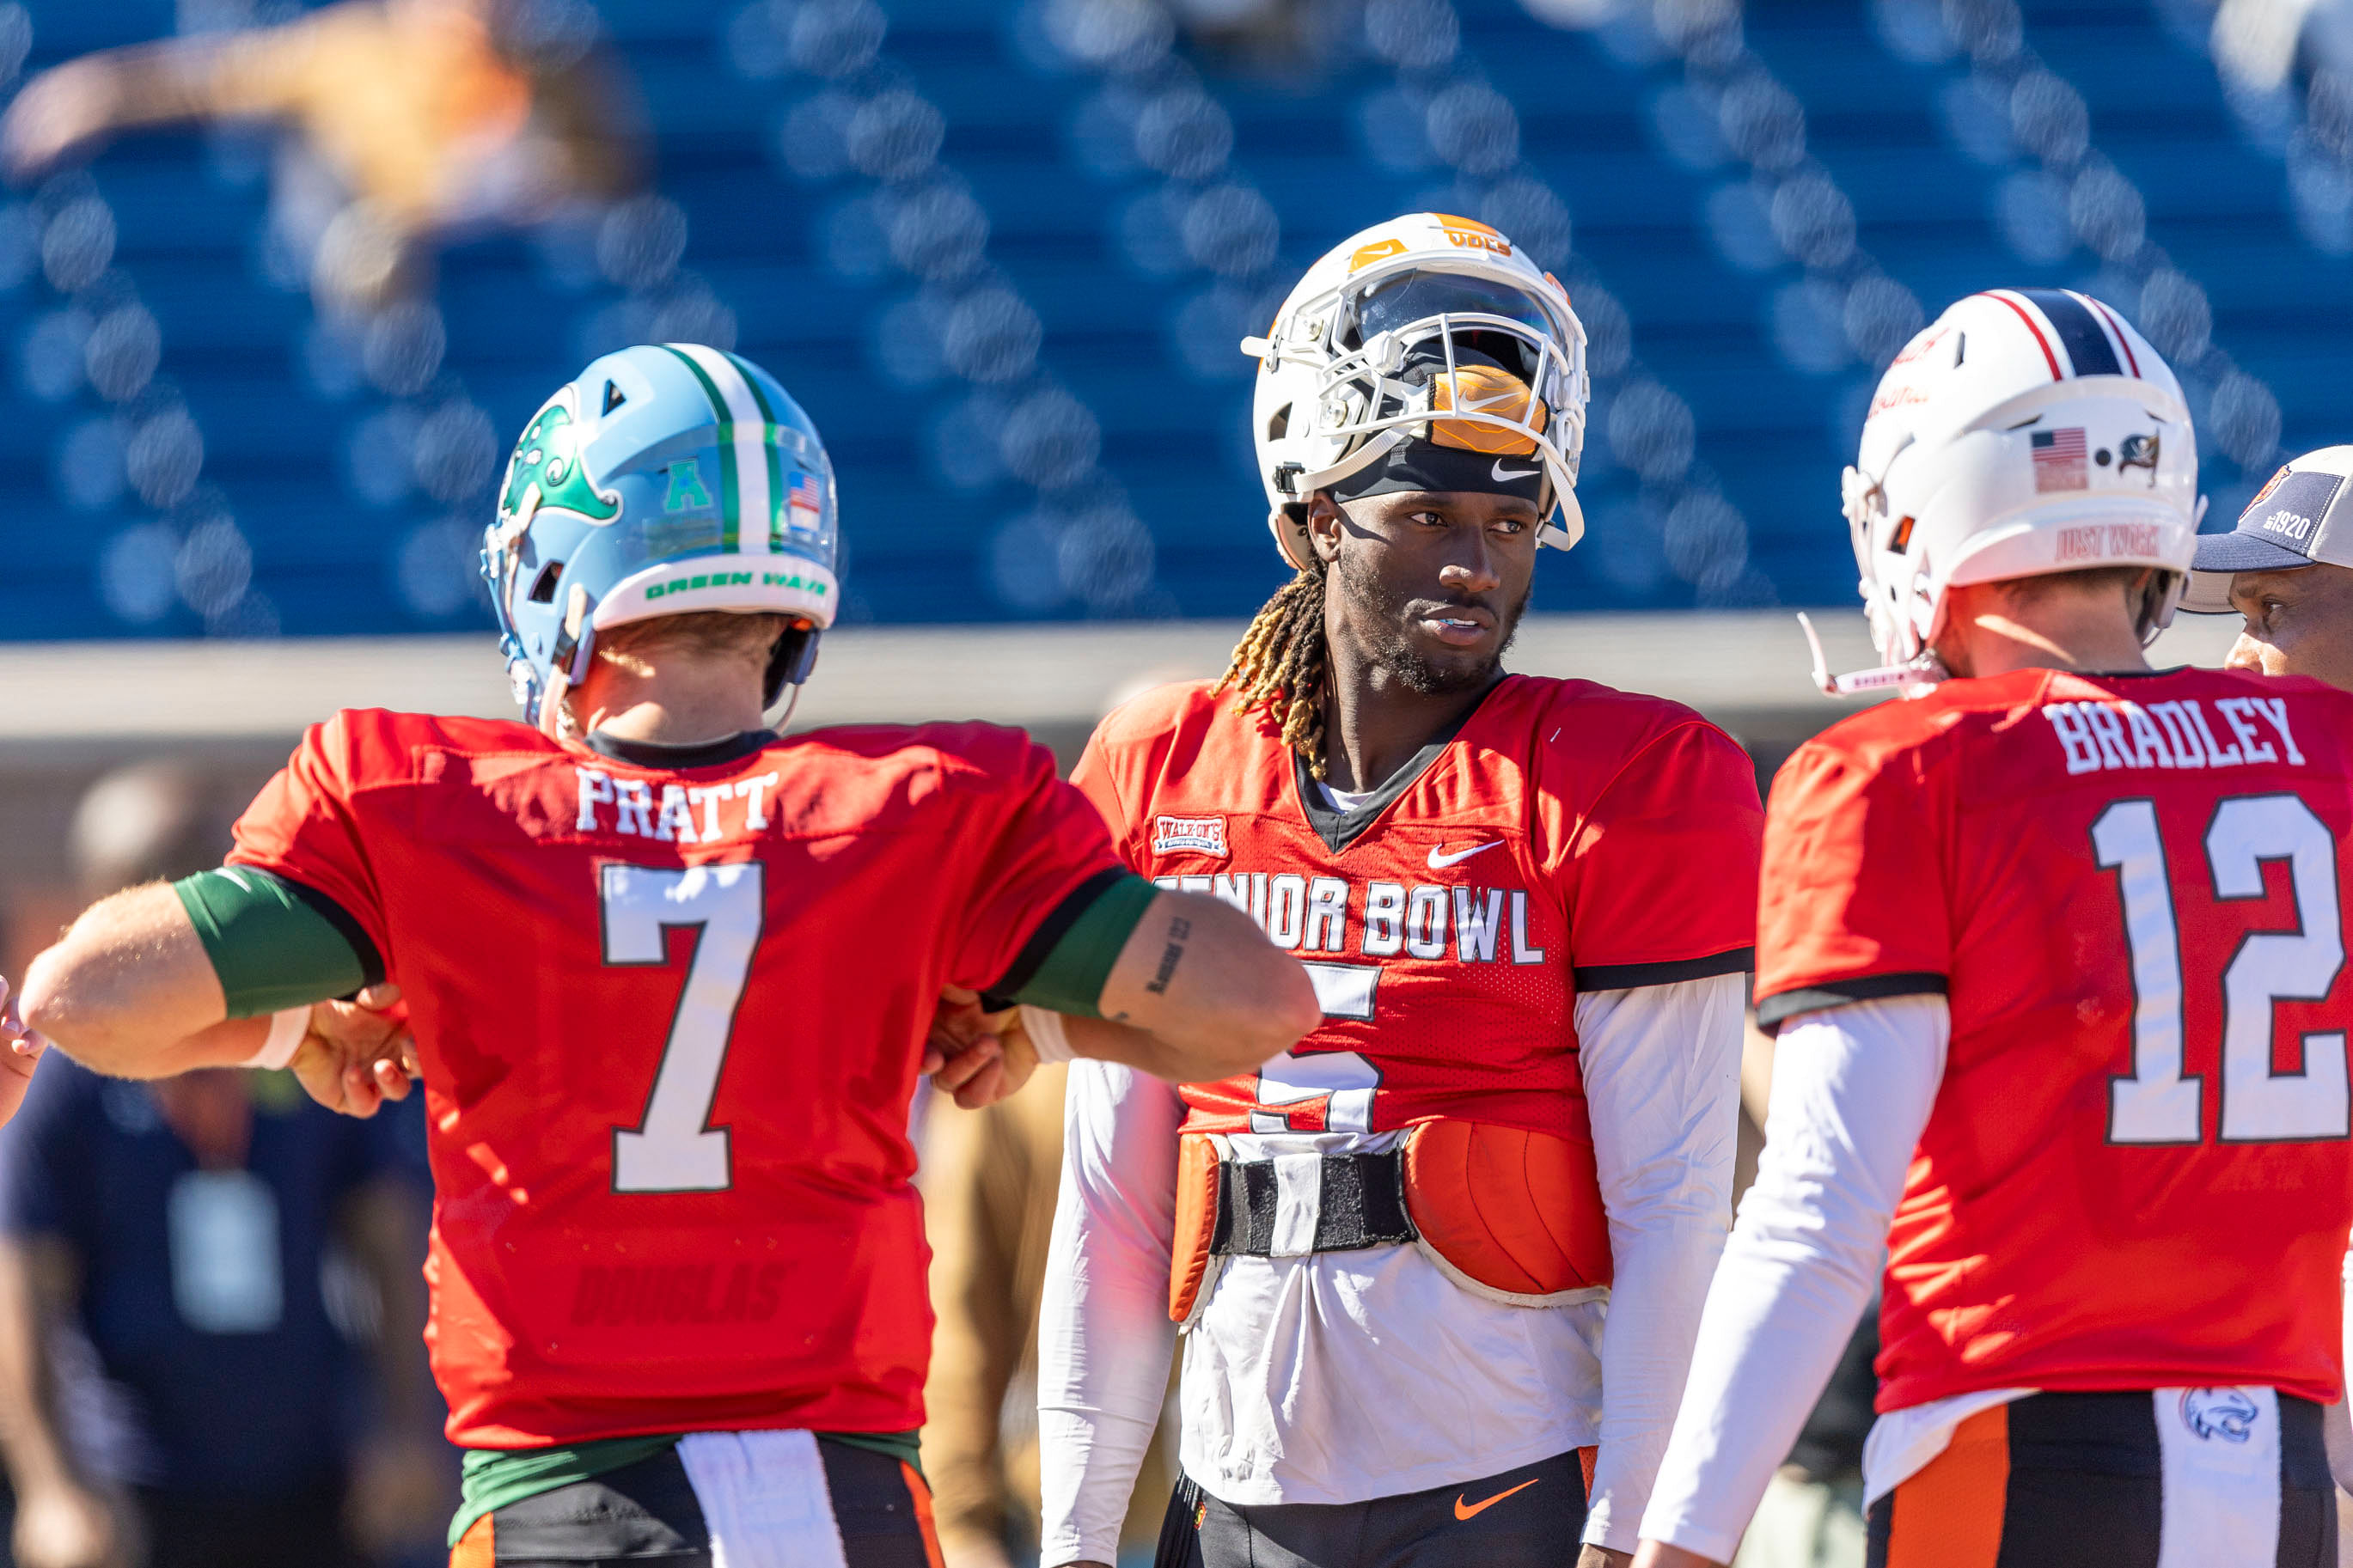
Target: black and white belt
x: 1298, y: 1204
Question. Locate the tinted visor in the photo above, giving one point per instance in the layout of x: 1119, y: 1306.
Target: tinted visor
x: 1410, y: 297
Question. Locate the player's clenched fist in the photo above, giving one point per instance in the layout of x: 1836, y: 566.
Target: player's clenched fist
x: 357, y: 1055
x: 978, y: 1057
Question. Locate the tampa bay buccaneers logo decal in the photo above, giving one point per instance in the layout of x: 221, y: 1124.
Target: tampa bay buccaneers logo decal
x: 547, y: 472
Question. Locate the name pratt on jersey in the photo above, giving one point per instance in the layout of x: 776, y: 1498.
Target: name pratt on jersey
x: 1317, y: 915
x: 2120, y: 734
x: 673, y: 818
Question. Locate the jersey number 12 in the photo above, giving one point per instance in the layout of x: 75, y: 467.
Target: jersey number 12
x: 673, y: 1148
x: 2158, y: 1103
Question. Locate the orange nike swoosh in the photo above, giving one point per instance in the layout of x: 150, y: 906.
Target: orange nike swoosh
x: 1465, y: 1510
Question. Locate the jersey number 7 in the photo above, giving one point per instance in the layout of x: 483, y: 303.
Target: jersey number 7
x: 673, y: 1148
x: 2158, y: 1103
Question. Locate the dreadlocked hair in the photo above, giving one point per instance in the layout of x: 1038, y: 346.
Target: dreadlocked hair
x: 1279, y: 665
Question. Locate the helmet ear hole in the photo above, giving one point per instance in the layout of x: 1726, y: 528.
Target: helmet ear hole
x: 1278, y: 425
x: 543, y: 587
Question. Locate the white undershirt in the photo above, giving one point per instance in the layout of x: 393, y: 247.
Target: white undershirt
x: 1297, y: 1368
x: 1344, y: 800
x: 1853, y: 1088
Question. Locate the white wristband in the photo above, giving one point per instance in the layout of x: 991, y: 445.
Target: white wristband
x: 286, y: 1031
x: 1046, y: 1033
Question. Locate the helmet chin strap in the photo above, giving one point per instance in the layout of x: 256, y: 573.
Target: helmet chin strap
x: 1911, y: 679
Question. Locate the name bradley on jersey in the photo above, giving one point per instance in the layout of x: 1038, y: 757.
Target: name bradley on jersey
x: 1318, y: 914
x: 2123, y: 734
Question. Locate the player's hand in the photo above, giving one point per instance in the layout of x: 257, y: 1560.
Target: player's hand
x: 979, y: 1058
x: 57, y: 111
x: 358, y: 1054
x: 20, y: 1052
x: 1654, y: 1554
x: 63, y: 1526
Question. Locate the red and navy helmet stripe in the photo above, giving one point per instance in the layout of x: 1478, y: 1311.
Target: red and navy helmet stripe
x: 2088, y: 350
x: 2042, y: 339
x: 2080, y: 329
x: 2132, y: 361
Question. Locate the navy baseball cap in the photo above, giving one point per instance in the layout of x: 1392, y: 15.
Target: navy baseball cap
x: 2301, y: 517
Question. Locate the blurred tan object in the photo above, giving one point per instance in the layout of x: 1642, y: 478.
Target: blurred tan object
x: 148, y: 822
x: 989, y: 1179
x: 405, y: 121
x: 1805, y: 1523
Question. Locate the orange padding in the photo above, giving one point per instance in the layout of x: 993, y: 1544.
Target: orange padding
x: 1196, y: 1220
x: 474, y: 1549
x: 1586, y: 1458
x: 1949, y: 1514
x: 1516, y: 1211
x: 920, y: 1493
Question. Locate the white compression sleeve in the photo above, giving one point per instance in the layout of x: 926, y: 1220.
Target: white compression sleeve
x: 1103, y: 1334
x: 1852, y: 1088
x: 1662, y: 1071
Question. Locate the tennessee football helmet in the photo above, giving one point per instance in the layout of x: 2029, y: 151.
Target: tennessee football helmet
x: 2024, y: 431
x: 1429, y: 328
x: 667, y: 479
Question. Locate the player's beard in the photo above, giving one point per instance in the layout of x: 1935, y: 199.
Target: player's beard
x: 1384, y: 613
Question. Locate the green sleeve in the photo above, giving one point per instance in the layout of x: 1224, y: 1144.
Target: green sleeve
x: 1065, y: 964
x: 275, y: 943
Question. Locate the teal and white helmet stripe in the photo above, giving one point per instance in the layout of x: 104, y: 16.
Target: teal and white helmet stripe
x: 750, y: 474
x: 666, y: 479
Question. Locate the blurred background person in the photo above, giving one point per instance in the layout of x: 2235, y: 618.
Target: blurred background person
x: 2287, y: 570
x: 989, y: 1178
x: 190, y: 1271
x: 405, y: 123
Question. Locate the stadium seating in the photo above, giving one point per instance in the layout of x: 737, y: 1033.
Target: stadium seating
x: 1002, y: 250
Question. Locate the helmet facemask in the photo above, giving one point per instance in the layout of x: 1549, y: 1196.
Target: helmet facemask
x: 1457, y: 359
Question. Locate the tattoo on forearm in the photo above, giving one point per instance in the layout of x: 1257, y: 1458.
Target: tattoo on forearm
x: 1179, y: 929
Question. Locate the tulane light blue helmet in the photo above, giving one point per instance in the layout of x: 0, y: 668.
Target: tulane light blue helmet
x: 668, y: 479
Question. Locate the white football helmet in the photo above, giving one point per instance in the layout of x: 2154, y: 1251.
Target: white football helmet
x: 1423, y: 315
x: 2024, y: 431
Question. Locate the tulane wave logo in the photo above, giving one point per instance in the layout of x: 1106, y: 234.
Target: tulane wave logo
x: 2230, y: 1414
x: 547, y: 472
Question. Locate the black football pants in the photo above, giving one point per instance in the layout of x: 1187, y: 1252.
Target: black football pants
x: 2081, y: 1480
x: 646, y: 1516
x: 1528, y: 1518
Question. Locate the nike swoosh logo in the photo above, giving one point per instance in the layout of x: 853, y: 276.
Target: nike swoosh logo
x: 1467, y: 1509
x: 1503, y: 473
x: 1440, y: 858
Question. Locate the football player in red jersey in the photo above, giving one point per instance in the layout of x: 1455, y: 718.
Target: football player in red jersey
x: 2056, y: 952
x: 669, y: 976
x: 1527, y: 904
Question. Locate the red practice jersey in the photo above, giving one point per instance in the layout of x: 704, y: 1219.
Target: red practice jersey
x: 1567, y: 837
x: 2136, y: 1173
x: 670, y: 1022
